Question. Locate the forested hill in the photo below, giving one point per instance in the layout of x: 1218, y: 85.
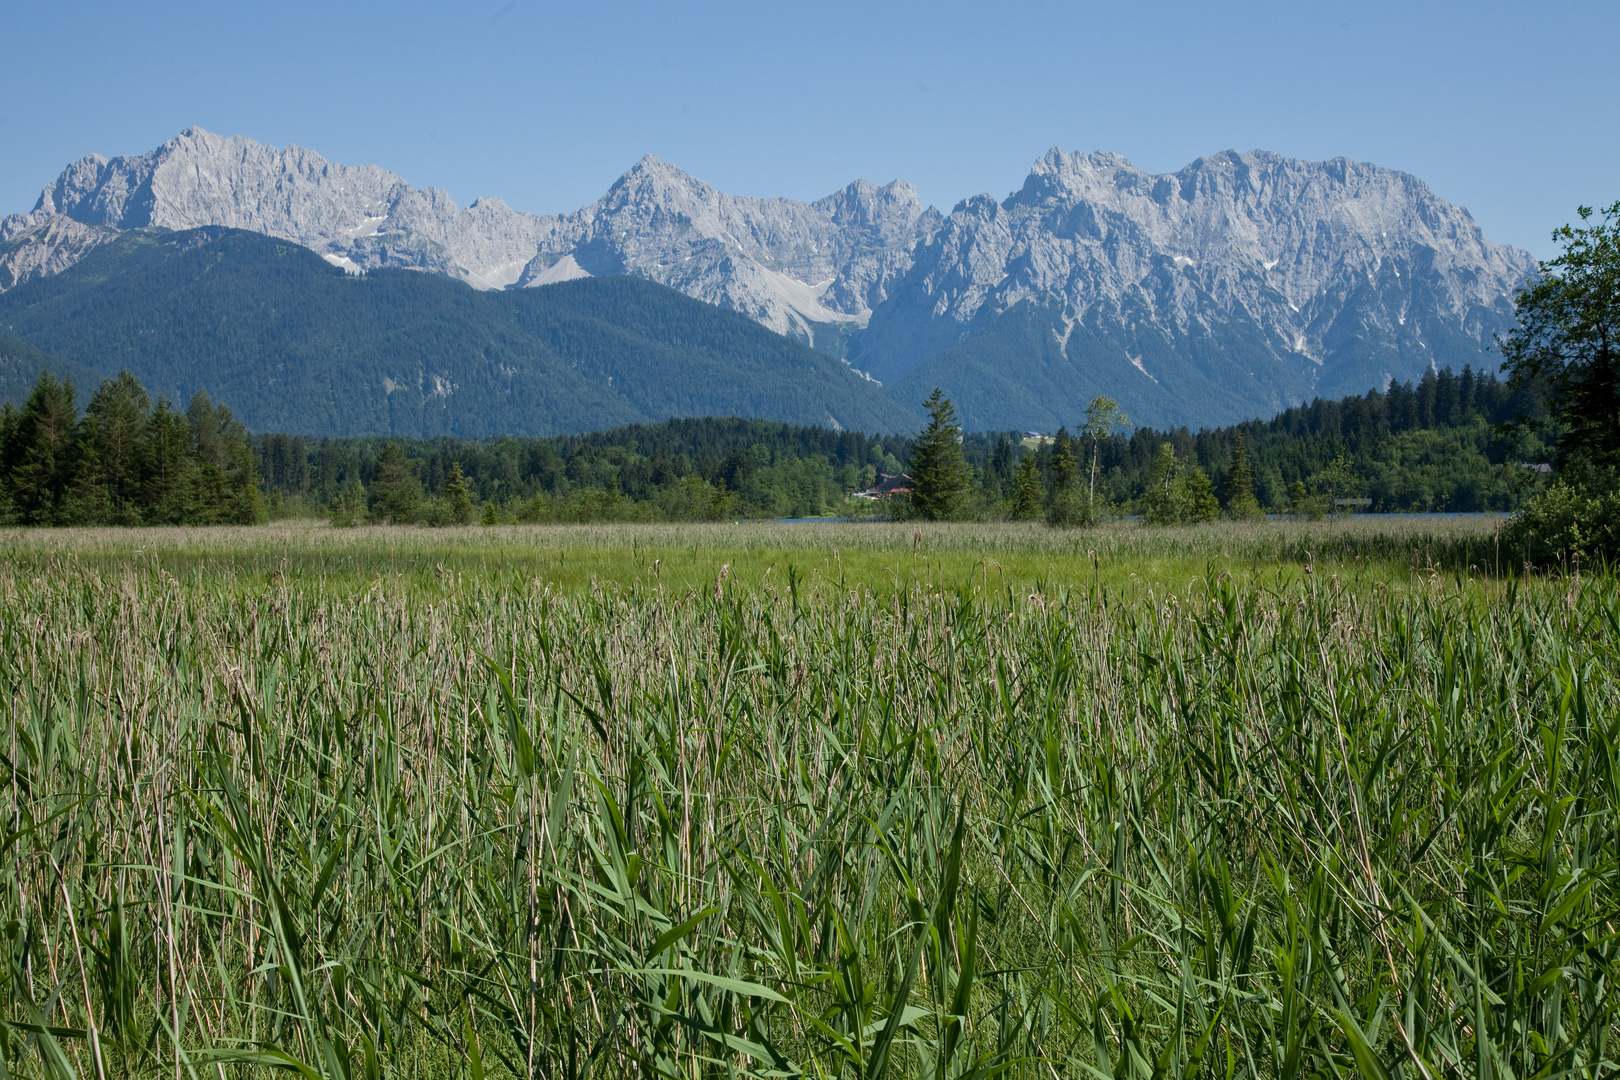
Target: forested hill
x: 296, y: 345
x: 1433, y: 445
x: 21, y: 364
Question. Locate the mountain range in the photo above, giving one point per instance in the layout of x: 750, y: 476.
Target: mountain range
x: 1240, y: 285
x: 293, y: 344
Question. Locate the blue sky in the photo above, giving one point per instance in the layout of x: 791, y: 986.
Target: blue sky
x: 1512, y: 110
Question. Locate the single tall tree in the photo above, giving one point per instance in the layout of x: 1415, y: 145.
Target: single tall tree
x: 111, y: 444
x: 225, y: 479
x: 396, y: 494
x: 1064, y: 508
x: 1240, y: 500
x: 167, y: 466
x: 1568, y: 338
x: 1159, y: 503
x: 39, y: 455
x: 1000, y: 469
x: 1103, y: 419
x: 1027, y: 493
x: 939, y: 471
x: 456, y: 490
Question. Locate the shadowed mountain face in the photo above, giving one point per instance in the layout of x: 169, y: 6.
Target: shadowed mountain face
x: 293, y: 344
x: 1235, y: 287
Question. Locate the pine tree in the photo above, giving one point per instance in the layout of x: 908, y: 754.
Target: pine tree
x: 8, y: 429
x: 350, y: 506
x: 1027, y: 493
x: 396, y: 494
x: 1163, y: 502
x: 939, y: 473
x: 111, y: 442
x: 1297, y: 500
x: 166, y: 467
x: 1198, y: 497
x: 1065, y: 469
x: 225, y: 482
x: 1065, y: 507
x: 1000, y: 469
x: 39, y: 456
x: 455, y: 489
x: 1240, y: 500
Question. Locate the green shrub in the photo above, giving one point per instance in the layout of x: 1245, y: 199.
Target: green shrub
x: 1570, y: 519
x: 1178, y: 494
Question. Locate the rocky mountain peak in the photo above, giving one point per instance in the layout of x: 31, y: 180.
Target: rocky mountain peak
x: 1340, y: 272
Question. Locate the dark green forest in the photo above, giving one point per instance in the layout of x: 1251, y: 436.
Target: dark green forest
x: 1447, y: 443
x: 295, y: 344
x: 1437, y: 445
x: 125, y: 461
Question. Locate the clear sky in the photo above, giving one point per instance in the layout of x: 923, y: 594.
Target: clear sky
x: 1509, y: 109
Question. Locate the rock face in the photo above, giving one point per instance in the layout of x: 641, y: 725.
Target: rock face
x: 40, y: 244
x: 1291, y: 245
x: 1241, y: 284
x: 790, y: 265
x: 799, y: 268
x: 357, y: 217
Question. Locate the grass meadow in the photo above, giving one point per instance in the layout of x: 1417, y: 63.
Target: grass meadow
x: 1273, y: 801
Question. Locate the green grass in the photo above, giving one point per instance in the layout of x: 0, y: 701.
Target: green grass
x: 411, y: 803
x: 825, y: 559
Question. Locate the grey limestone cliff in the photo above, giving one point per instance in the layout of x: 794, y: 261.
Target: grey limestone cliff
x: 44, y: 243
x: 1243, y: 283
x: 790, y: 265
x: 1273, y: 279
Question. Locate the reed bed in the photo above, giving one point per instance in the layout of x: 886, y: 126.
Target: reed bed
x: 475, y: 826
x: 880, y: 556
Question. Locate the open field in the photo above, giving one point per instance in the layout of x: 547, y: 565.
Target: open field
x: 822, y: 558
x: 957, y: 802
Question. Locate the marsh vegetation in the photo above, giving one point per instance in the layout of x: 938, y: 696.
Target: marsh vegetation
x: 1260, y: 801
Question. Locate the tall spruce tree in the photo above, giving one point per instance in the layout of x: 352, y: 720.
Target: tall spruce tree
x: 1027, y: 493
x: 999, y: 470
x: 225, y: 487
x: 1065, y: 507
x: 40, y: 455
x: 111, y: 443
x: 1159, y: 504
x: 456, y: 490
x: 166, y: 468
x: 1239, y: 485
x: 939, y: 471
x: 396, y: 493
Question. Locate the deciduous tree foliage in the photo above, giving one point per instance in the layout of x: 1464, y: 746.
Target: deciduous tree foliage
x: 1568, y: 338
x: 1568, y: 343
x: 1178, y: 493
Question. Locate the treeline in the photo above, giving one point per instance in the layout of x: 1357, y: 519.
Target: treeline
x: 1436, y: 445
x: 125, y: 461
x: 1432, y: 445
x: 692, y: 469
